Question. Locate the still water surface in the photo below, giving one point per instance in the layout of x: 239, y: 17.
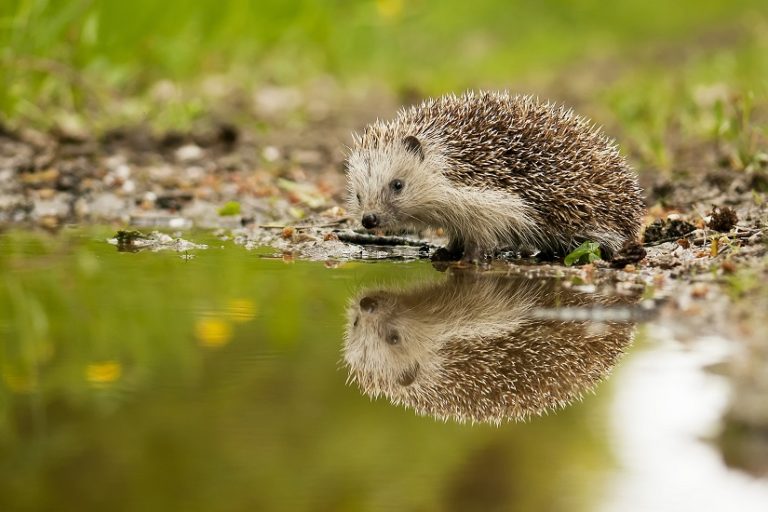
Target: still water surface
x: 228, y: 382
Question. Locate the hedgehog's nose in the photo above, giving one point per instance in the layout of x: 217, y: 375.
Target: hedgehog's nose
x: 368, y: 304
x: 370, y: 220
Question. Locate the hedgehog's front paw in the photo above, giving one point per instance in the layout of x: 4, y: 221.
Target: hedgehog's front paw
x: 474, y: 255
x: 446, y: 254
x: 547, y: 256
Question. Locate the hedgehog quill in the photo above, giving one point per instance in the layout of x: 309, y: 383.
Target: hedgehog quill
x: 496, y: 172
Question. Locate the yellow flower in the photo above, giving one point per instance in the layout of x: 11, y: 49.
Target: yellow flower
x: 389, y: 8
x: 103, y: 372
x: 213, y: 332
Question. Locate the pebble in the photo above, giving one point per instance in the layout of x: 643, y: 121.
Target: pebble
x: 270, y: 153
x: 108, y: 206
x: 129, y: 187
x: 189, y: 152
x: 122, y: 172
x: 56, y: 206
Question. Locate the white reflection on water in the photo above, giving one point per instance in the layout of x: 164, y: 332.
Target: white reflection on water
x: 665, y: 407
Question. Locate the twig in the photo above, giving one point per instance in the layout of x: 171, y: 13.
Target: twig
x: 306, y: 226
x: 665, y: 240
x: 737, y: 236
x: 700, y: 240
x: 363, y: 239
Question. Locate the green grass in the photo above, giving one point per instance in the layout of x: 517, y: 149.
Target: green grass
x: 65, y: 59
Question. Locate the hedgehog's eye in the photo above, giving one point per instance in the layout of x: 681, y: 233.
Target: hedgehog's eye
x: 393, y: 338
x: 358, y: 199
x: 357, y: 321
x: 396, y: 185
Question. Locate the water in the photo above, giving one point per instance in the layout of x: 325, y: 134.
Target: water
x: 216, y: 380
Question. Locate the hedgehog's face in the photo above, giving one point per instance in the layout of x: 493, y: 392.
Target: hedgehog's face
x: 385, y: 349
x: 390, y: 183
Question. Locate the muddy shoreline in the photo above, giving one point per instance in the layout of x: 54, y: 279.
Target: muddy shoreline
x: 226, y: 177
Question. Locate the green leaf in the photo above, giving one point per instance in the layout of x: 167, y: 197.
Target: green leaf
x: 230, y: 208
x: 585, y: 253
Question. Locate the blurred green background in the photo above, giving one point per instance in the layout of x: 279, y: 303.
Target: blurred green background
x: 87, y: 56
x: 446, y: 44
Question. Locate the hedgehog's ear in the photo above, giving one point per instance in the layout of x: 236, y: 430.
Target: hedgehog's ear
x: 413, y: 145
x: 408, y: 376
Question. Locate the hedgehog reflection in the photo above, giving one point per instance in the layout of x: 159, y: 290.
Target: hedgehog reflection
x: 477, y: 348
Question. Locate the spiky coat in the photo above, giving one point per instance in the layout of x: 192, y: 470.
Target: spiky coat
x: 497, y: 171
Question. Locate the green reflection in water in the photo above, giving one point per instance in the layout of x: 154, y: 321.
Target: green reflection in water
x: 149, y: 382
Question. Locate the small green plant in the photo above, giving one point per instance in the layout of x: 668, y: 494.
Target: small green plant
x: 585, y: 253
x: 743, y: 283
x: 229, y: 209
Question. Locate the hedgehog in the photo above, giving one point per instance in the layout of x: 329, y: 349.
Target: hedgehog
x: 479, y: 347
x: 495, y: 172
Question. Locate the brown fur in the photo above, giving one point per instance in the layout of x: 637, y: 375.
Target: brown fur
x: 496, y: 171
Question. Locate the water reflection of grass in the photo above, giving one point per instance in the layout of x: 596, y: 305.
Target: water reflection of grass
x: 74, y: 301
x: 130, y: 411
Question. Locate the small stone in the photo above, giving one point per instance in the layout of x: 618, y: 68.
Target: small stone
x: 81, y: 208
x: 6, y: 176
x: 194, y: 173
x: 335, y: 212
x: 699, y: 291
x: 179, y: 223
x: 728, y: 266
x: 57, y: 206
x: 49, y: 222
x: 122, y: 172
x: 189, y: 152
x: 40, y: 177
x: 129, y: 187
x: 270, y: 153
x: 108, y: 207
x: 46, y: 193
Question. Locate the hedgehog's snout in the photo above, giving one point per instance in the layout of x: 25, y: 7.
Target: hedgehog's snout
x: 370, y: 220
